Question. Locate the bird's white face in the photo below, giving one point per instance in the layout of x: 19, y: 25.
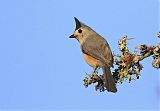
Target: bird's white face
x: 80, y: 34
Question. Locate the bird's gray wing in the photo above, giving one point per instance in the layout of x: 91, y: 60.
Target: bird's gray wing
x: 99, y: 49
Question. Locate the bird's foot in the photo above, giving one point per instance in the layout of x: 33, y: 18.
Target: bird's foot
x: 95, y: 70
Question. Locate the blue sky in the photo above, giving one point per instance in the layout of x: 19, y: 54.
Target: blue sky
x: 41, y: 68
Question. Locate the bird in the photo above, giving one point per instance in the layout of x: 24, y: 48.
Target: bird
x: 96, y: 51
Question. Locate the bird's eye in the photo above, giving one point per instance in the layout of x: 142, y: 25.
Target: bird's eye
x: 79, y: 30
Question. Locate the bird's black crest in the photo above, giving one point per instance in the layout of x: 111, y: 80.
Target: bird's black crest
x: 78, y: 23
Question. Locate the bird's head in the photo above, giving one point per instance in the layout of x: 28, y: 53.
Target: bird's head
x: 82, y: 31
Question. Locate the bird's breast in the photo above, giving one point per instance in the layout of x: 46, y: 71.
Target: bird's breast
x: 93, y: 62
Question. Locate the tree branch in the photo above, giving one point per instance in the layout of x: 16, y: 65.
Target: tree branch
x: 127, y: 64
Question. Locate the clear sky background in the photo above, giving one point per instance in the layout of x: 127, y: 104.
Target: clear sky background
x: 41, y: 68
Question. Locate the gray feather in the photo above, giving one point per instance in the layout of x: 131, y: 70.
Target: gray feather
x: 97, y: 47
x: 109, y: 81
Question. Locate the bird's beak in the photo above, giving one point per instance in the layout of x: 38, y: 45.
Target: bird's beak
x: 72, y: 36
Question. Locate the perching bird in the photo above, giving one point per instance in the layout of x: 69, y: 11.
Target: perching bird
x: 96, y: 52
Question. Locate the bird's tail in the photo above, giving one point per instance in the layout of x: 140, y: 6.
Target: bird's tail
x: 109, y: 81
